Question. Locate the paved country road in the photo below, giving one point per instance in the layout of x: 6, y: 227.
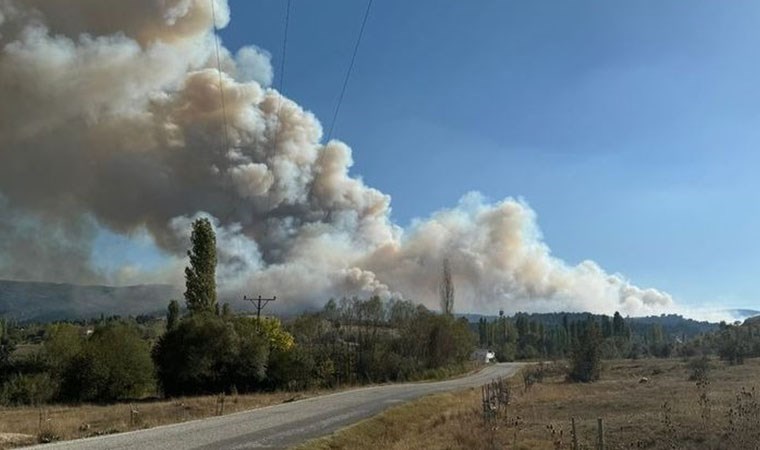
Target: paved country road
x: 282, y: 426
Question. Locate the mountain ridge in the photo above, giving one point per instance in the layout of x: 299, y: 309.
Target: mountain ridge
x: 28, y: 301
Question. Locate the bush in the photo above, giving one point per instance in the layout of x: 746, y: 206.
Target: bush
x: 249, y: 367
x: 114, y: 364
x: 63, y: 343
x: 506, y: 352
x: 33, y: 389
x: 207, y: 354
x: 196, y: 357
x: 699, y: 369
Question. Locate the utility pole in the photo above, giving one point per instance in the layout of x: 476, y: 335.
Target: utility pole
x: 259, y: 303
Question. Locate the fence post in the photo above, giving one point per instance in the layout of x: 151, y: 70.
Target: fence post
x: 600, y: 430
x: 575, y: 435
x: 132, y: 415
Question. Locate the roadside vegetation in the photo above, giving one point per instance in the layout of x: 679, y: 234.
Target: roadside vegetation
x: 672, y: 409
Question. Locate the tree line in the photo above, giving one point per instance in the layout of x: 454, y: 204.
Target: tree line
x: 207, y: 349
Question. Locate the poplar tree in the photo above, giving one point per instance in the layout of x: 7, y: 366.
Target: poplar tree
x: 172, y: 315
x: 200, y: 276
x: 446, y: 289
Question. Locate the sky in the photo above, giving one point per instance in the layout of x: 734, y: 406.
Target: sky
x: 629, y: 127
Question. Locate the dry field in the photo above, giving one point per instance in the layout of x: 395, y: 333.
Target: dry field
x: 25, y: 425
x: 667, y: 412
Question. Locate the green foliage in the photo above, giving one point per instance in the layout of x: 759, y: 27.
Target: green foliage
x: 355, y: 341
x: 699, y: 368
x: 200, y: 276
x: 248, y: 371
x: 33, y: 389
x: 64, y: 342
x: 114, y: 364
x: 506, y: 352
x: 226, y: 311
x: 586, y: 359
x: 172, y: 315
x: 206, y: 354
x: 7, y: 346
x: 734, y: 343
x: 372, y: 341
x: 197, y: 356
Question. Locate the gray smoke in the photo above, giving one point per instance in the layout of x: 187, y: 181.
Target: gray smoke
x: 110, y: 114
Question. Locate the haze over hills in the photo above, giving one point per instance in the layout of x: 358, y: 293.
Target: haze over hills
x: 41, y: 301
x: 742, y: 313
x: 38, y: 301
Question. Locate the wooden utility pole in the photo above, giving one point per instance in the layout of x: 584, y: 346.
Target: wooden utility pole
x: 259, y: 303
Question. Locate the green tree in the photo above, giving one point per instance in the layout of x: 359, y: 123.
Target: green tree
x: 200, y: 276
x: 172, y: 315
x: 114, y: 364
x: 28, y: 389
x: 618, y: 325
x: 606, y: 326
x: 197, y: 357
x: 226, y: 311
x: 586, y: 363
x: 63, y: 343
x: 446, y: 289
x: 7, y: 347
x: 248, y: 372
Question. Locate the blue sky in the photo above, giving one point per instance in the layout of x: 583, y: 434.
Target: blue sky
x: 630, y: 127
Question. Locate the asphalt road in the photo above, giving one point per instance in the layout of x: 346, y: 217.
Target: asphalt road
x: 282, y: 426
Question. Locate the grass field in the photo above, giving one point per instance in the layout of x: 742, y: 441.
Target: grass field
x: 669, y: 411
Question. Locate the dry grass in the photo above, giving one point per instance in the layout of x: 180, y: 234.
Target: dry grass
x: 667, y: 412
x: 60, y: 422
x: 26, y: 425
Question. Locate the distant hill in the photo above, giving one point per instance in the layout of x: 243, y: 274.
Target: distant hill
x: 35, y: 301
x: 672, y: 324
x: 741, y: 314
x: 752, y: 322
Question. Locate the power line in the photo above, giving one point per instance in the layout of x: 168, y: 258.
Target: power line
x: 281, y: 85
x: 348, y: 72
x: 275, y: 129
x: 225, y: 136
x: 284, y: 46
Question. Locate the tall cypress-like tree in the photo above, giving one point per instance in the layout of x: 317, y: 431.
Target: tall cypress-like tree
x: 172, y: 315
x: 446, y: 289
x: 200, y: 276
x: 586, y: 358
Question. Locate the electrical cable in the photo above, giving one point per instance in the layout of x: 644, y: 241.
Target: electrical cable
x: 225, y: 135
x: 348, y: 72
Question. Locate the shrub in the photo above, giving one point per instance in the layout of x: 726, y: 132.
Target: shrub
x: 32, y: 389
x: 63, y: 343
x: 699, y: 368
x: 196, y: 357
x: 114, y: 364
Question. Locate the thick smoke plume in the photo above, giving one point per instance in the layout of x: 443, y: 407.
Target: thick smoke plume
x: 110, y: 115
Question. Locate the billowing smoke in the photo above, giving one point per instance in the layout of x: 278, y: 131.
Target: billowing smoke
x: 110, y: 115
